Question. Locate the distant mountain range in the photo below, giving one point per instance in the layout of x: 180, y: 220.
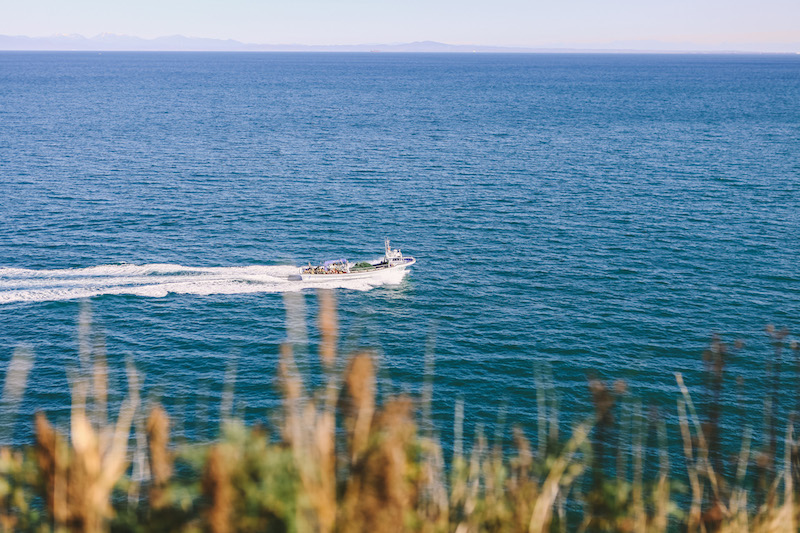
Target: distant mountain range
x: 179, y: 43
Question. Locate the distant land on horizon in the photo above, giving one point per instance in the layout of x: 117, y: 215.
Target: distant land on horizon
x: 108, y: 42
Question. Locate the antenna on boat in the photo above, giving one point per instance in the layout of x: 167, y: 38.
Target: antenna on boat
x: 388, y: 249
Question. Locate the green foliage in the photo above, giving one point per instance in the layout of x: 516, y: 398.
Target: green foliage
x: 264, y: 480
x: 19, y: 480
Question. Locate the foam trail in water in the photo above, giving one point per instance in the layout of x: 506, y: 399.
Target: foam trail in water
x: 158, y: 280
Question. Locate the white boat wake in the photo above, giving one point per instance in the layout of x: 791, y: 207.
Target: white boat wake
x: 158, y: 280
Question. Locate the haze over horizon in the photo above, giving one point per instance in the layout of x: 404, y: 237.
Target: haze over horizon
x: 122, y: 43
x: 772, y: 25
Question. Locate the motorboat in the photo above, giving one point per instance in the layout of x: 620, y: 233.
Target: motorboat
x: 392, y: 262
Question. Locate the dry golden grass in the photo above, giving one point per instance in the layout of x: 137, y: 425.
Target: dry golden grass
x: 342, y: 461
x: 80, y: 474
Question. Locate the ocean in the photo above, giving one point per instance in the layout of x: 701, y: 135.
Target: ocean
x: 572, y: 216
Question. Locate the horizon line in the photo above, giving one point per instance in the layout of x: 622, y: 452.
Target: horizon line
x: 111, y: 42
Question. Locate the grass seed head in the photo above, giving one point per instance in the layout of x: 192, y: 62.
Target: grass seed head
x: 328, y: 327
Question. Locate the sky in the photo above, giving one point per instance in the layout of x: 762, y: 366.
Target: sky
x: 528, y: 23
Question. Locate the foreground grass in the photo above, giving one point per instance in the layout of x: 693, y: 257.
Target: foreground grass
x: 343, y: 463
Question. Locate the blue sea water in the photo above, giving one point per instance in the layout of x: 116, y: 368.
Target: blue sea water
x: 577, y: 214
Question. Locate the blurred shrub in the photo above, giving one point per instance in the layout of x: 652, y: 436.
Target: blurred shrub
x: 343, y: 463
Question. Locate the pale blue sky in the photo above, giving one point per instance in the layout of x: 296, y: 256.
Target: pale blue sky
x: 495, y: 22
